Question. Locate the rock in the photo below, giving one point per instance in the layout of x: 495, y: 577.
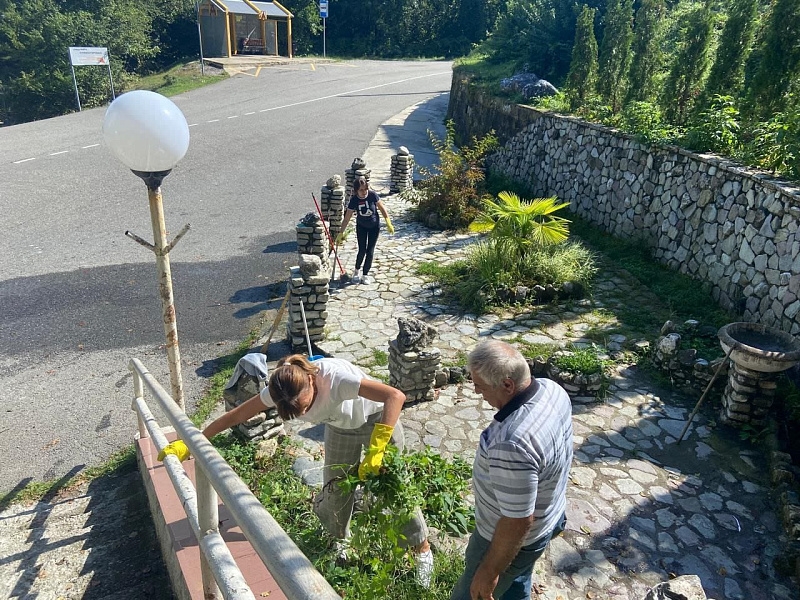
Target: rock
x: 685, y: 587
x: 310, y: 265
x: 432, y: 221
x: 414, y: 334
x: 441, y: 378
x: 521, y: 293
x: 529, y: 85
x: 669, y: 327
x: 310, y: 219
x: 358, y: 163
x: 403, y: 151
x: 334, y: 182
x: 456, y: 374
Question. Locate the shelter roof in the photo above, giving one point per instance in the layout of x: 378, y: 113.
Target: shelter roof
x: 241, y: 8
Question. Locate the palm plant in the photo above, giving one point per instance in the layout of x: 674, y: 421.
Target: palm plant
x: 524, y: 225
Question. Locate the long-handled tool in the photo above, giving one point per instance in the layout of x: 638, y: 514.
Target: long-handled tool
x: 708, y: 387
x: 328, y: 233
x: 311, y: 355
x: 277, y: 321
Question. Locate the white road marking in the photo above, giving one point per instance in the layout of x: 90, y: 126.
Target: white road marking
x: 250, y: 113
x: 234, y: 117
x: 193, y: 124
x: 57, y: 153
x: 90, y: 146
x: 16, y: 162
x: 373, y: 87
x: 212, y: 121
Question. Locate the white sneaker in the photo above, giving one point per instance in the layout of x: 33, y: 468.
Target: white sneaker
x: 356, y: 276
x: 425, y: 568
x: 366, y: 280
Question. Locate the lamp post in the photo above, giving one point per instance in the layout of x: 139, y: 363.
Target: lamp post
x: 149, y: 134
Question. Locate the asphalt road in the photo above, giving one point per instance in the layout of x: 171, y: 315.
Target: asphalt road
x: 78, y: 298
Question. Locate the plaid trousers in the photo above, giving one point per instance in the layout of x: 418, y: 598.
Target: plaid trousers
x: 342, y: 454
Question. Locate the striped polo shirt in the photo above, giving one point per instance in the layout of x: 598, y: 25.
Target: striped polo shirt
x: 523, y: 461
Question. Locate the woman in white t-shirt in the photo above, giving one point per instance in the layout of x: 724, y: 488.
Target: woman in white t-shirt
x: 357, y: 411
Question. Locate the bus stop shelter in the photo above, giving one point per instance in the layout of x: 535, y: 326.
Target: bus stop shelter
x: 231, y: 27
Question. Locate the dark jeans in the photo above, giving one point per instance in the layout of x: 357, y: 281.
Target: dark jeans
x: 367, y: 238
x: 515, y: 582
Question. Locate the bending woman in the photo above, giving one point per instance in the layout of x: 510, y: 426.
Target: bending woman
x: 357, y: 411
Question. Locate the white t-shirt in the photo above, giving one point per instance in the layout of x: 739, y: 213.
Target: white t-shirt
x: 337, y: 402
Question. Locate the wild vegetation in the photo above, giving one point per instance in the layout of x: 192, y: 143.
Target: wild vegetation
x: 709, y: 75
x: 376, y: 566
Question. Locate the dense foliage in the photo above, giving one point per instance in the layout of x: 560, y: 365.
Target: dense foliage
x: 451, y: 196
x: 712, y: 75
x: 376, y: 567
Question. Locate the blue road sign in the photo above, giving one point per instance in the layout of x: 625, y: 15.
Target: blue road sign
x: 323, y: 9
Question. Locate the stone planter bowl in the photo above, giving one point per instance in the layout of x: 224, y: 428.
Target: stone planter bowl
x: 759, y: 348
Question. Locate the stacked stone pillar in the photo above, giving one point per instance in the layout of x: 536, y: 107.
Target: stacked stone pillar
x: 413, y: 361
x: 264, y: 425
x: 332, y: 203
x: 311, y: 239
x: 402, y: 173
x: 357, y: 169
x: 748, y: 396
x: 308, y: 283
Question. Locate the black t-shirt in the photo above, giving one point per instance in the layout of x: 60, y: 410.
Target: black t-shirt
x: 366, y: 209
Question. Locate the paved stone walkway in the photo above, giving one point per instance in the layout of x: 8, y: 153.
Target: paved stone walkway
x: 641, y: 507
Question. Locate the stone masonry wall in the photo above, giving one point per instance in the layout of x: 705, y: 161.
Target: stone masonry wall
x: 712, y: 219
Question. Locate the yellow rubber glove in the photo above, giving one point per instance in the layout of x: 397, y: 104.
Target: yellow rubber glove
x: 377, y: 446
x: 389, y: 226
x: 176, y: 448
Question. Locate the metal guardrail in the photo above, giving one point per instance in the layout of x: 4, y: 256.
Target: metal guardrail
x: 293, y: 572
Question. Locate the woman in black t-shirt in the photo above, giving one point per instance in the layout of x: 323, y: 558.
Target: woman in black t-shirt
x: 366, y: 204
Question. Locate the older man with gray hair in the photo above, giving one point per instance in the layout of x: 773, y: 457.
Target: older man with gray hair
x: 519, y: 475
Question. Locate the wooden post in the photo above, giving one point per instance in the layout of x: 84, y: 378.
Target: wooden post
x: 288, y: 36
x: 228, y: 32
x: 165, y: 291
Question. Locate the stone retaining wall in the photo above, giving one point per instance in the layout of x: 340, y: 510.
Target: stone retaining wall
x: 729, y: 226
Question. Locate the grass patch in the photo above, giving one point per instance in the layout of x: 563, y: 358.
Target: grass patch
x: 460, y: 360
x: 581, y: 360
x: 178, y: 79
x: 483, y: 71
x: 529, y: 350
x: 381, y: 357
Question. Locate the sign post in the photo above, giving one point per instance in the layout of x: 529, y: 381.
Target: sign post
x: 89, y: 57
x: 323, y: 12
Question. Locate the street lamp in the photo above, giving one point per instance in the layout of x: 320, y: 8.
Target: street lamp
x: 149, y: 134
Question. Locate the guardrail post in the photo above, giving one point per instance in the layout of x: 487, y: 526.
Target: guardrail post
x: 138, y: 394
x: 208, y: 517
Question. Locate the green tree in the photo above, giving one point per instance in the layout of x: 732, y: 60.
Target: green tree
x: 539, y: 33
x: 779, y: 59
x: 727, y: 72
x: 647, y: 57
x: 582, y: 75
x: 689, y: 65
x: 615, y: 52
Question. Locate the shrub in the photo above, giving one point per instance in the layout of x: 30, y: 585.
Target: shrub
x: 522, y: 225
x: 586, y: 361
x: 451, y: 196
x: 645, y: 121
x: 716, y: 128
x: 490, y: 271
x: 777, y: 143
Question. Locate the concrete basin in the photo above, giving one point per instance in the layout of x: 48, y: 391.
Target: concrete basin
x: 760, y: 348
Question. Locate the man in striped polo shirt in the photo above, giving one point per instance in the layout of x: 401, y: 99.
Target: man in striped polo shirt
x: 519, y: 475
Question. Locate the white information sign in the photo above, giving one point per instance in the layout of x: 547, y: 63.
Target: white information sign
x: 88, y: 56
